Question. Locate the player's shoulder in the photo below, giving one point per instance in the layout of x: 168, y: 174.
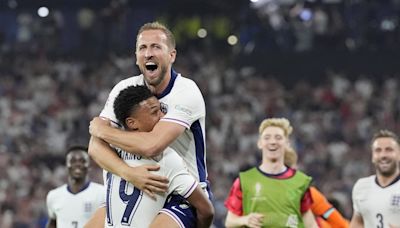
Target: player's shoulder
x: 184, y: 82
x: 57, y: 191
x: 364, y: 182
x: 133, y: 80
x: 96, y: 185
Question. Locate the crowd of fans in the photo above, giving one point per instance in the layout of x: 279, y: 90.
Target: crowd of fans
x: 48, y: 97
x: 46, y: 105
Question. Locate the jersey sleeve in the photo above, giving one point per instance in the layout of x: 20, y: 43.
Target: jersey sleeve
x: 186, y: 107
x: 181, y: 182
x: 306, y: 201
x: 355, y: 193
x: 49, y: 204
x: 320, y: 204
x: 101, y: 195
x: 234, y: 201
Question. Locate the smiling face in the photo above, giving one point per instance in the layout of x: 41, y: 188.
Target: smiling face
x: 386, y: 156
x: 77, y: 162
x: 273, y: 142
x: 154, y: 57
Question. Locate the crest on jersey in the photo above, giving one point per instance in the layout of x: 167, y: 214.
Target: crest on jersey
x: 88, y: 208
x: 292, y: 221
x: 395, y: 202
x: 163, y: 107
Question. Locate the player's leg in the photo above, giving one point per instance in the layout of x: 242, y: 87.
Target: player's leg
x: 176, y: 213
x: 164, y: 220
x: 98, y: 219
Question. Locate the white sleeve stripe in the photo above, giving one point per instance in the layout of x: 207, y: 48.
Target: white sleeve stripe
x: 173, y: 216
x: 180, y: 122
x: 328, y: 213
x: 191, y: 189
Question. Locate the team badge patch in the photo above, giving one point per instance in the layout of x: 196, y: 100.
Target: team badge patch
x: 88, y: 208
x: 164, y: 108
x: 395, y: 203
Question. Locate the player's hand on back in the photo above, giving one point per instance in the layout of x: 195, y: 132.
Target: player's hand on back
x: 149, y: 183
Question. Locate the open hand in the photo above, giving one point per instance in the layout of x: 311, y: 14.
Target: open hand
x: 149, y: 183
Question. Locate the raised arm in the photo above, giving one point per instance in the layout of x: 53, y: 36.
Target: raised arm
x: 139, y: 176
x: 147, y: 144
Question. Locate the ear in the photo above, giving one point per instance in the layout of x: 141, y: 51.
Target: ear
x: 173, y: 55
x: 131, y: 123
x: 259, y: 144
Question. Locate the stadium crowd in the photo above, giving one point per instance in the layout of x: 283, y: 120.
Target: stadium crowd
x: 46, y: 105
x: 47, y: 99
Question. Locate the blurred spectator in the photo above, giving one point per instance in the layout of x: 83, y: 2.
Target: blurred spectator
x: 50, y: 90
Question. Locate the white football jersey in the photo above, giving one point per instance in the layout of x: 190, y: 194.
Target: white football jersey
x: 74, y: 210
x: 127, y: 206
x: 183, y: 103
x: 378, y: 206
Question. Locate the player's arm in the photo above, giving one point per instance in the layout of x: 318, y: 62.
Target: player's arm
x: 335, y: 219
x: 254, y: 220
x: 147, y: 144
x: 309, y: 219
x: 356, y: 221
x: 98, y: 219
x: 235, y: 217
x: 51, y: 223
x: 323, y: 208
x: 305, y: 208
x: 139, y: 176
x: 204, y: 208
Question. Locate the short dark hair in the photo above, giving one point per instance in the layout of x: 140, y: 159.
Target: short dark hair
x: 75, y: 148
x: 128, y: 99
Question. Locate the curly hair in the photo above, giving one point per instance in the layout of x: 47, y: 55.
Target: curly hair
x: 128, y: 100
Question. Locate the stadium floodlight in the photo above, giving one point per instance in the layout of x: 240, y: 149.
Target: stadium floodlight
x: 232, y: 40
x: 202, y: 33
x: 43, y: 11
x: 306, y: 14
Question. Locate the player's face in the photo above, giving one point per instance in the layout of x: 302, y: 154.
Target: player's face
x: 154, y: 57
x: 385, y: 156
x: 78, y: 164
x: 147, y: 114
x: 273, y: 143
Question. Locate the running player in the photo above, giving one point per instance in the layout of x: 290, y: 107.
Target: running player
x: 72, y: 204
x: 271, y: 194
x: 376, y: 199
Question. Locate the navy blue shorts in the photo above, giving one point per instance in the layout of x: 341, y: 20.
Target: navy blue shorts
x: 179, y: 209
